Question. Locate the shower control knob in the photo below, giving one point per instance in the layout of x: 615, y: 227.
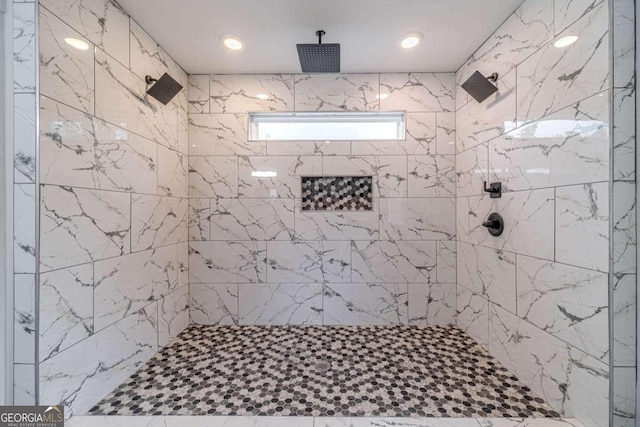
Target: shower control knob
x: 494, y: 224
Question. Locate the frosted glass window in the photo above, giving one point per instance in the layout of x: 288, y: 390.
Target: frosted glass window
x: 326, y: 126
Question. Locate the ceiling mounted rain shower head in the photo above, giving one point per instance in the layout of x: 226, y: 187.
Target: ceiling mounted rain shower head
x: 164, y: 88
x: 481, y: 87
x: 319, y: 58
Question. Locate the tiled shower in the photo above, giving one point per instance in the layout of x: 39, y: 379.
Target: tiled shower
x: 151, y: 218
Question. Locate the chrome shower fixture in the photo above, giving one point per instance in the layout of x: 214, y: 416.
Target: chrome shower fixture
x: 163, y: 89
x: 481, y: 87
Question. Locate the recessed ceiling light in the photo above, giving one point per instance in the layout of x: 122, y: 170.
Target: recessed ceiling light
x: 565, y: 41
x: 262, y: 96
x: 382, y: 96
x: 78, y: 44
x: 410, y: 40
x: 232, y: 42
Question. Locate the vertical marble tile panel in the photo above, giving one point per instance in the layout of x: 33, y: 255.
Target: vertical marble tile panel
x: 66, y: 309
x: 624, y: 320
x: 24, y: 138
x: 446, y: 133
x: 66, y: 72
x: 417, y: 219
x: 222, y: 135
x: 337, y: 92
x: 173, y: 315
x: 24, y: 48
x: 157, y: 221
x: 172, y: 172
x: 284, y: 184
x: 365, y: 304
x: 624, y: 135
x: 446, y: 262
x: 624, y: 227
x: 239, y: 93
x: 78, y: 226
x: 418, y: 92
x: 280, y: 304
x: 308, y: 262
x: 252, y: 219
x: 582, y: 226
x: 24, y: 230
x: 213, y: 304
x: 473, y: 315
x: 432, y: 176
x: 198, y: 93
x: 432, y: 304
x: 227, y: 262
x: 462, y: 219
x: 213, y: 176
x: 199, y: 225
x: 24, y: 385
x: 393, y: 262
x: 624, y: 397
x: 624, y: 48
x: 183, y: 264
x: 24, y: 318
x: 472, y: 170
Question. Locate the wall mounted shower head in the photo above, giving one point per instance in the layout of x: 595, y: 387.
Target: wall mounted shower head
x: 481, y: 87
x: 164, y: 88
x: 319, y: 58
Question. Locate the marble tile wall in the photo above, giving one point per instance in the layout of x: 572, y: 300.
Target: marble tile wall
x: 113, y: 277
x: 256, y: 258
x: 538, y: 296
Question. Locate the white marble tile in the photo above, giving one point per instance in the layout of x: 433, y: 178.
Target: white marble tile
x: 481, y: 122
x: 238, y: 93
x: 432, y: 304
x: 522, y: 34
x: 214, y: 304
x: 569, y: 11
x: 488, y: 272
x: 121, y: 99
x: 432, y: 176
x: 66, y: 72
x: 199, y: 225
x: 446, y: 133
x: 328, y: 225
x: 623, y: 29
x: 24, y: 138
x: 420, y: 138
x: 149, y: 58
x: 624, y: 320
x: 624, y: 227
x: 446, y: 262
x: 24, y: 229
x: 124, y: 285
x: 78, y: 226
x: 624, y: 397
x: 105, y: 23
x: 252, y: 219
x: 24, y: 48
x: 365, y: 304
x: 84, y: 374
x: 569, y: 380
x: 24, y: 318
x: 182, y: 107
x: 418, y: 92
x: 417, y: 219
x: 213, y: 176
x: 336, y: 92
x: 568, y: 147
x: 172, y: 172
x: 183, y: 264
x: 529, y: 222
x: 204, y: 421
x: 173, y: 315
x: 286, y: 182
x: 227, y: 262
x: 624, y: 134
x: 280, y: 304
x: 308, y: 262
x: 309, y: 148
x: 582, y: 226
x: 77, y: 149
x: 157, y: 221
x: 66, y: 309
x: 393, y: 262
x: 389, y: 172
x: 472, y: 170
x: 567, y: 302
x: 24, y: 385
x: 570, y: 74
x: 473, y: 315
x: 462, y: 219
x: 198, y: 92
x: 221, y: 134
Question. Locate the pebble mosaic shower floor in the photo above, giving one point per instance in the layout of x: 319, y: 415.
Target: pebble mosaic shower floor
x: 324, y: 371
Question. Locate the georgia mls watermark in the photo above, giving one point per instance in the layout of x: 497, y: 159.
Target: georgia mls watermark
x: 31, y: 416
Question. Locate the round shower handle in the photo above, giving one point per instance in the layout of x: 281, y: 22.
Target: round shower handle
x: 494, y: 224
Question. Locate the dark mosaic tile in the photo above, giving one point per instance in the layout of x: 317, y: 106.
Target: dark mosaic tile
x: 324, y: 371
x: 337, y: 193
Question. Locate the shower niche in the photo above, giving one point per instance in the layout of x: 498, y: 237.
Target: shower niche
x: 337, y: 193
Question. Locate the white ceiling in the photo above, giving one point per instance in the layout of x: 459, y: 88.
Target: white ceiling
x: 368, y: 30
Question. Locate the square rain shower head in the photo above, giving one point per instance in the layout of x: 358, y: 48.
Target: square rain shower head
x: 480, y: 87
x: 163, y: 89
x: 319, y: 58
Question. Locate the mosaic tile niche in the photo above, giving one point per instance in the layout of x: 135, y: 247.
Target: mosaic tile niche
x: 337, y: 193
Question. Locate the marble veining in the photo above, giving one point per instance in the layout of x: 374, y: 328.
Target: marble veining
x: 238, y: 93
x: 157, y: 221
x: 227, y: 262
x: 431, y: 304
x: 24, y: 48
x: 24, y: 139
x: 343, y: 92
x: 393, y: 261
x: 213, y: 304
x: 308, y: 261
x: 418, y: 92
x: 365, y: 304
x: 280, y: 304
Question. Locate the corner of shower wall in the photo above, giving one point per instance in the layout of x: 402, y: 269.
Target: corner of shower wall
x: 104, y: 243
x: 538, y: 297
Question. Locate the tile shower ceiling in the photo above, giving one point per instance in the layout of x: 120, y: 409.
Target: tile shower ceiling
x: 307, y: 371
